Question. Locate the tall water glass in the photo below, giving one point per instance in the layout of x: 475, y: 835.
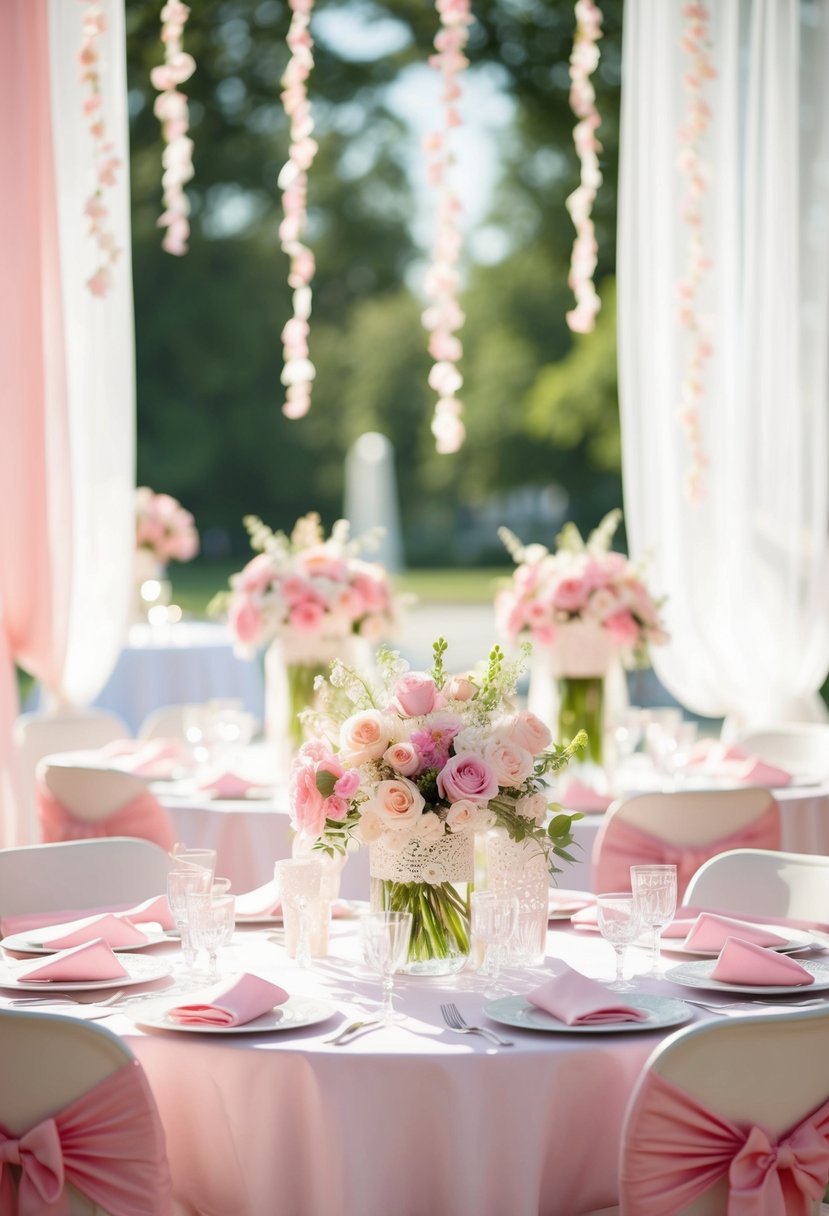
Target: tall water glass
x: 299, y: 885
x: 181, y: 883
x: 619, y: 924
x: 493, y: 922
x: 210, y: 923
x: 654, y: 891
x: 385, y: 940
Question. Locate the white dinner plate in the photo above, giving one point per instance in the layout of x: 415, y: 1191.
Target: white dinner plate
x: 796, y: 939
x: 297, y: 1011
x: 347, y: 909
x: 662, y: 1011
x: 141, y: 969
x: 21, y: 944
x: 698, y: 975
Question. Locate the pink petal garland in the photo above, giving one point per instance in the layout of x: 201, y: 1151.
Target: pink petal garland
x: 105, y: 163
x: 298, y: 371
x: 172, y: 112
x: 583, y: 62
x: 695, y: 43
x: 444, y: 316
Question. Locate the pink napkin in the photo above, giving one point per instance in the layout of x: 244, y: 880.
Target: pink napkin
x: 262, y: 901
x: 710, y: 932
x: 230, y: 1003
x: 579, y: 797
x: 579, y: 1001
x: 153, y: 911
x: 227, y: 785
x: 709, y: 756
x: 113, y: 930
x: 90, y: 961
x: 569, y: 901
x: 744, y: 963
x: 155, y: 759
x: 680, y: 926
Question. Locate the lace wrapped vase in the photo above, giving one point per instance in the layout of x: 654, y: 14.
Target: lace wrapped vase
x: 429, y: 879
x: 519, y: 869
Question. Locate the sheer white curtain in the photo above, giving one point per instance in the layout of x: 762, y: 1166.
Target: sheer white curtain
x: 746, y: 569
x: 66, y: 365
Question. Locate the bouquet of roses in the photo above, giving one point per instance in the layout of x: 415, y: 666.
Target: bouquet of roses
x: 423, y: 756
x: 163, y: 528
x: 583, y: 583
x: 305, y: 587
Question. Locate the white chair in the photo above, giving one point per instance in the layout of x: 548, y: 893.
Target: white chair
x: 765, y: 882
x: 766, y: 1073
x: 80, y: 875
x: 684, y: 828
x: 77, y: 800
x: 79, y: 1081
x: 801, y: 748
x: 42, y: 734
x: 167, y: 722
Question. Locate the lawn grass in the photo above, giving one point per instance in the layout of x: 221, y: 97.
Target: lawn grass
x: 195, y: 584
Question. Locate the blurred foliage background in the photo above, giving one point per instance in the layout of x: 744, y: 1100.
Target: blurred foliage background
x: 540, y: 405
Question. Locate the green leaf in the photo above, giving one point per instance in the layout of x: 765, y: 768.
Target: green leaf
x: 325, y: 782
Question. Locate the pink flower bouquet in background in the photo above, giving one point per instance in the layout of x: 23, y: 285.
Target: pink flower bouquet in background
x: 413, y: 764
x: 163, y: 528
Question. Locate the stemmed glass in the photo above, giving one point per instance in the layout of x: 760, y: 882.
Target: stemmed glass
x: 654, y: 892
x: 210, y: 924
x: 620, y: 924
x: 385, y: 940
x: 493, y: 922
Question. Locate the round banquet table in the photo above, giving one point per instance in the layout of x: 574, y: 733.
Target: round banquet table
x: 404, y: 1120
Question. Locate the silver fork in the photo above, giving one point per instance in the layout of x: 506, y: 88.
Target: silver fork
x: 767, y: 1004
x: 454, y: 1020
x: 64, y: 1000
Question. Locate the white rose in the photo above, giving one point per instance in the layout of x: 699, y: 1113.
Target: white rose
x: 428, y: 828
x: 526, y: 730
x: 533, y: 806
x: 512, y: 765
x: 464, y: 815
x: 370, y: 828
x: 397, y: 803
x: 364, y: 736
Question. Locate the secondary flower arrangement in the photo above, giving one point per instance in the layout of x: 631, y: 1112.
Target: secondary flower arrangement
x: 164, y: 530
x: 308, y: 587
x: 413, y: 766
x: 583, y: 581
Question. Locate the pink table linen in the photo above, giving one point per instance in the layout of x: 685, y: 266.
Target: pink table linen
x: 577, y: 1000
x: 710, y: 932
x: 742, y: 962
x: 231, y: 1002
x: 684, y: 1149
x: 114, y: 930
x: 109, y: 1144
x: 91, y: 961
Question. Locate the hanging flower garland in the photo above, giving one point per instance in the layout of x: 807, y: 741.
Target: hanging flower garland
x: 583, y: 62
x: 298, y: 371
x: 172, y: 112
x: 695, y: 42
x: 103, y: 158
x: 443, y: 316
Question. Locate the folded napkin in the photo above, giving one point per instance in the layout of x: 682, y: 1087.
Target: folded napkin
x: 262, y: 901
x: 680, y: 926
x: 575, y: 999
x: 744, y: 963
x: 153, y: 911
x: 90, y: 961
x: 569, y: 901
x: 230, y: 1003
x: 113, y: 930
x: 155, y: 759
x: 227, y: 785
x: 579, y: 797
x: 710, y: 932
x: 712, y: 758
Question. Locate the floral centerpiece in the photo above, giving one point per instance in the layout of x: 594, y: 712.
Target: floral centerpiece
x: 583, y: 606
x: 164, y: 532
x: 308, y: 597
x: 412, y: 767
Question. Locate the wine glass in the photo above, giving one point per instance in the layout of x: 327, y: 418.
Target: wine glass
x: 299, y: 884
x: 385, y: 940
x: 493, y: 922
x: 654, y: 891
x: 182, y: 882
x: 620, y: 924
x: 210, y: 924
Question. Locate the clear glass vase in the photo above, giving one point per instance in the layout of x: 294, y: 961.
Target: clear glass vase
x: 581, y: 706
x: 519, y: 869
x: 430, y: 879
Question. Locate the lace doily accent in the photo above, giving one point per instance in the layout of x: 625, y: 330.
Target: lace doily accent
x: 520, y: 869
x: 448, y: 859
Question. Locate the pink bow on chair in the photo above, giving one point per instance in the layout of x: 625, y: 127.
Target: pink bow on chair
x: 682, y: 1149
x: 108, y: 1143
x: 143, y: 816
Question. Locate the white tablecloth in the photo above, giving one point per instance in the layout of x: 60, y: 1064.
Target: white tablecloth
x: 174, y: 664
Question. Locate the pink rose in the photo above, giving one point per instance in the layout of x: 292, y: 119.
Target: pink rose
x: 545, y: 634
x: 462, y: 815
x: 307, y: 616
x: 256, y: 576
x: 245, y: 621
x: 403, y: 757
x: 459, y: 688
x: 320, y: 562
x: 294, y: 589
x: 526, y: 730
x: 306, y: 802
x: 347, y: 785
x: 335, y: 807
x: 415, y: 694
x: 622, y: 628
x: 511, y: 765
x: 570, y: 595
x: 364, y: 736
x: 373, y: 588
x: 467, y: 776
x: 398, y: 804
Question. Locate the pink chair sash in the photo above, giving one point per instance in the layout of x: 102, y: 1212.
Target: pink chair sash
x: 143, y: 817
x: 681, y: 1149
x: 109, y: 1144
x: 619, y: 845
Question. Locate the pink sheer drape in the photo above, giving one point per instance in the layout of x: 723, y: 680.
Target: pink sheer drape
x: 36, y: 514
